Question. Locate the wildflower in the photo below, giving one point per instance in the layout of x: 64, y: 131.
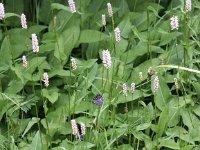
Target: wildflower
x: 176, y: 83
x: 188, y: 5
x: 72, y: 6
x: 82, y: 129
x: 141, y: 76
x: 132, y: 87
x: 73, y: 64
x: 74, y: 127
x: 23, y: 21
x: 35, y: 46
x: 24, y: 61
x: 126, y: 109
x: 103, y: 18
x: 124, y: 89
x: 156, y: 84
x: 174, y: 23
x: 110, y: 12
x: 107, y: 59
x: 46, y: 79
x: 2, y: 12
x: 98, y: 100
x: 150, y: 71
x: 117, y: 34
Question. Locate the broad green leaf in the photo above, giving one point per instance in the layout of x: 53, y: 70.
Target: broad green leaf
x: 90, y: 36
x: 163, y: 95
x: 30, y: 124
x: 50, y: 94
x: 162, y: 122
x: 59, y: 6
x: 169, y: 143
x: 197, y: 88
x: 7, y: 15
x: 36, y: 143
x: 143, y: 126
x: 125, y: 27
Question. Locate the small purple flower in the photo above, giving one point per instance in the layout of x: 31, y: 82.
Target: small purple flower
x: 98, y: 100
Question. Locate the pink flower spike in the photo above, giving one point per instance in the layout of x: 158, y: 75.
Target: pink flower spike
x: 124, y: 89
x: 24, y: 61
x: 117, y: 34
x: 72, y: 6
x: 156, y: 84
x: 83, y: 128
x: 46, y: 79
x: 188, y: 5
x: 23, y: 21
x: 174, y: 23
x: 35, y: 46
x: 106, y: 59
x: 73, y: 64
x: 2, y: 12
x: 103, y: 20
x: 132, y: 87
x: 110, y: 11
x: 74, y: 127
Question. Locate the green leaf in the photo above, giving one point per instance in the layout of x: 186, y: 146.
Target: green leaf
x: 197, y: 88
x: 33, y: 121
x: 90, y: 36
x: 66, y: 42
x: 163, y: 95
x: 169, y: 143
x: 8, y: 15
x: 143, y: 126
x: 36, y: 143
x: 162, y: 122
x: 59, y: 6
x: 51, y: 94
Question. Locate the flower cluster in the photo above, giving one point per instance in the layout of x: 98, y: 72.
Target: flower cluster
x: 46, y: 79
x: 103, y: 19
x: 2, y: 12
x: 72, y: 6
x: 110, y: 11
x: 74, y: 127
x: 132, y: 87
x: 24, y: 61
x: 124, y: 89
x: 156, y: 84
x: 117, y: 34
x: 73, y: 64
x: 176, y: 83
x: 98, y: 100
x: 106, y: 59
x: 188, y: 5
x: 23, y: 21
x: 35, y: 45
x: 141, y: 76
x: 174, y: 23
x: 83, y: 129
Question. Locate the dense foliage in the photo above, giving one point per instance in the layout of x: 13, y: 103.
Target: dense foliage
x: 61, y: 89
